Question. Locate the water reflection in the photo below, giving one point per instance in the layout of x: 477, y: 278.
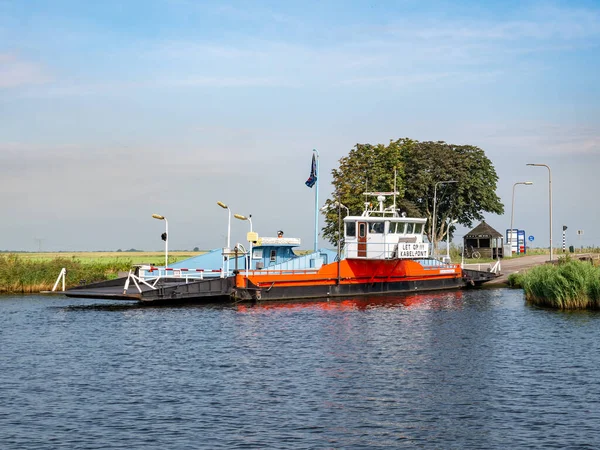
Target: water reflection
x: 438, y: 300
x: 431, y: 300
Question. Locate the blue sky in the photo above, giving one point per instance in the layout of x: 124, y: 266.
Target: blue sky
x: 111, y: 111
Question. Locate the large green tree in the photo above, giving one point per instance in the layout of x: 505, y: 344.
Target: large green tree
x: 420, y: 169
x: 367, y: 168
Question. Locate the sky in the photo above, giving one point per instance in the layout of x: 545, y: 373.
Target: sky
x: 112, y: 111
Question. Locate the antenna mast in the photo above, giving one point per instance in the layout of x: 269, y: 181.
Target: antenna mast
x: 395, y: 189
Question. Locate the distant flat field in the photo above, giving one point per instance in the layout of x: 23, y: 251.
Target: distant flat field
x: 134, y: 257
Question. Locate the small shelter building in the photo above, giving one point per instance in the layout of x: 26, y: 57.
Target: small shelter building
x: 485, y: 240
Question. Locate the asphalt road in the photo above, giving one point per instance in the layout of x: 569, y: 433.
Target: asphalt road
x: 514, y: 265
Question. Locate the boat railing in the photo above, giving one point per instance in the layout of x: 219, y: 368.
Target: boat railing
x: 180, y: 272
x: 280, y: 271
x: 167, y: 273
x: 136, y: 281
x: 434, y: 263
x: 484, y: 267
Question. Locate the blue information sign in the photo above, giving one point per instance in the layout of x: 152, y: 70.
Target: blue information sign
x: 530, y: 238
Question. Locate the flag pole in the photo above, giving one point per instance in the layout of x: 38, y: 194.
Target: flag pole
x: 317, y: 201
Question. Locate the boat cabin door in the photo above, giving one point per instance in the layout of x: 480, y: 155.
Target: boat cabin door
x: 362, y: 240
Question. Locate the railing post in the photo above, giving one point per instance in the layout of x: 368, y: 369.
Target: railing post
x: 127, y: 283
x: 62, y: 274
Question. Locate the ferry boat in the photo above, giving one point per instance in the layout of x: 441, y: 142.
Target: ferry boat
x: 384, y: 252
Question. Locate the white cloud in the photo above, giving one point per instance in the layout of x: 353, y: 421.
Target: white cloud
x: 547, y: 23
x: 15, y: 72
x: 219, y: 82
x: 541, y: 138
x: 255, y: 14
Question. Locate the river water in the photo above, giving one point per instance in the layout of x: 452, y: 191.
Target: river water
x: 470, y: 369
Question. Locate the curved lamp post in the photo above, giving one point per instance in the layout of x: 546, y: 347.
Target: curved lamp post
x: 434, y: 218
x: 249, y: 219
x: 549, y: 197
x: 224, y: 206
x: 159, y: 217
x: 512, y: 213
x: 334, y: 204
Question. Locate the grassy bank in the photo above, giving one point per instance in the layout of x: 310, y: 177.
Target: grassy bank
x: 567, y: 285
x: 35, y: 272
x: 154, y: 258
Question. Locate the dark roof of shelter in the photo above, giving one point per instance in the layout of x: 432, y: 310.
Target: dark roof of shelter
x: 483, y: 230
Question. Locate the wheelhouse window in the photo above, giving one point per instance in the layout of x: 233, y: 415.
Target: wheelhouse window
x: 377, y: 227
x: 409, y: 228
x: 397, y: 227
x: 418, y: 228
x: 273, y: 255
x: 350, y: 229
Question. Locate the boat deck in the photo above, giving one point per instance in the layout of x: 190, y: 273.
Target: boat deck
x: 167, y: 289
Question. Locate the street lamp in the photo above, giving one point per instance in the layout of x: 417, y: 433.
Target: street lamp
x: 549, y: 198
x: 434, y: 203
x: 339, y: 206
x: 333, y: 204
x: 512, y: 214
x: 165, y: 237
x: 249, y: 219
x: 224, y: 206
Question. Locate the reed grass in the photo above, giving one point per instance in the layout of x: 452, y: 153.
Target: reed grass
x: 570, y: 284
x: 22, y: 275
x: 515, y: 280
x: 141, y: 257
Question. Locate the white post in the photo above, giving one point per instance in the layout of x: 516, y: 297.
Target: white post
x: 249, y: 219
x: 317, y: 201
x: 434, y: 218
x: 448, y: 243
x: 450, y: 222
x: 228, y: 241
x: 224, y: 206
x: 250, y: 254
x: 433, y: 221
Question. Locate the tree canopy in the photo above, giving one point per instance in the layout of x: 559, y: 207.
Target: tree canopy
x: 420, y: 167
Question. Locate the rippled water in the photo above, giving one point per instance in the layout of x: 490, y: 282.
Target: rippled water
x: 473, y: 369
